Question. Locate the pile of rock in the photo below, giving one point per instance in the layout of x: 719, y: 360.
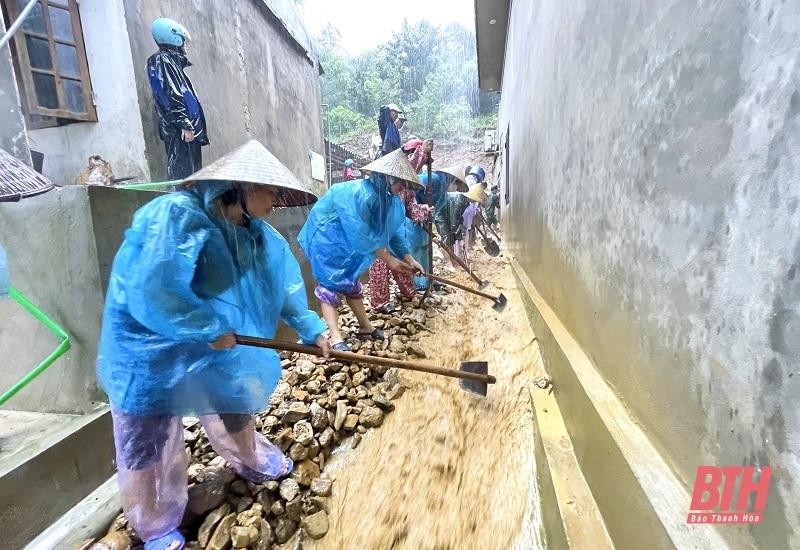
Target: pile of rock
x: 316, y: 407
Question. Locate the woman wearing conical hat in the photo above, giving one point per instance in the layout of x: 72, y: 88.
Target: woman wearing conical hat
x: 450, y: 220
x: 196, y: 267
x: 352, y: 225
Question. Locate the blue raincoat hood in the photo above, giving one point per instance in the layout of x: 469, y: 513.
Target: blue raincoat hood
x: 183, y: 277
x: 345, y: 228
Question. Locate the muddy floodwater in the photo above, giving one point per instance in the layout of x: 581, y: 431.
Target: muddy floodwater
x: 449, y: 469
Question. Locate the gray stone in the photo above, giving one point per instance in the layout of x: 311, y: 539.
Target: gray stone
x: 277, y: 508
x: 289, y: 489
x: 350, y: 422
x: 359, y: 378
x: 304, y: 369
x: 211, y: 492
x: 416, y: 349
x: 297, y: 411
x: 299, y: 452
x: 341, y: 414
x: 418, y: 316
x: 284, y: 530
x: 221, y: 539
x: 356, y: 440
x: 303, y: 432
x: 326, y: 437
x: 294, y: 509
x: 251, y: 517
x: 371, y: 417
x: 316, y: 525
x: 382, y: 403
x: 304, y: 473
x: 321, y: 486
x: 265, y: 532
x: 242, y: 537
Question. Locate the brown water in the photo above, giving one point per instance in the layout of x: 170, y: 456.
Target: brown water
x: 449, y: 469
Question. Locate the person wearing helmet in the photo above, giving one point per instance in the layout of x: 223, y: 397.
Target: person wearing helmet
x: 348, y: 174
x: 197, y: 267
x: 181, y: 122
x: 475, y: 177
x: 351, y: 226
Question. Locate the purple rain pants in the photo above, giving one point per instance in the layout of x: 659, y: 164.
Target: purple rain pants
x: 333, y: 298
x: 152, y: 463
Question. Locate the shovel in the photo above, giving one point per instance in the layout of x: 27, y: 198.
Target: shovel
x: 500, y: 300
x: 489, y: 246
x: 474, y: 375
x: 459, y: 261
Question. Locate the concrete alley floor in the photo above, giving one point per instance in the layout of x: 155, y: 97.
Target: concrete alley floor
x: 450, y: 469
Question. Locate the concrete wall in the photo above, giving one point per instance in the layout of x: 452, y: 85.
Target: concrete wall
x: 53, y: 262
x: 117, y: 134
x: 253, y: 80
x: 653, y: 201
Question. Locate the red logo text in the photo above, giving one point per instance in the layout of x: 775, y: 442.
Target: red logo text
x: 713, y: 498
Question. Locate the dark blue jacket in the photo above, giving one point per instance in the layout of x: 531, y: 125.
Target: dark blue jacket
x: 174, y: 97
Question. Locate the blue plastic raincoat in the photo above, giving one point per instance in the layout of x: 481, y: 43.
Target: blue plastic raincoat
x: 183, y: 277
x: 441, y: 180
x: 345, y: 228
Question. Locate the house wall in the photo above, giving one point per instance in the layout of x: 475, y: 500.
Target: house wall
x: 117, y: 134
x: 250, y: 76
x: 652, y: 198
x: 52, y: 258
x: 12, y: 137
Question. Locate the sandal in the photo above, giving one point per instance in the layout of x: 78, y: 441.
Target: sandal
x: 342, y: 346
x: 162, y: 543
x: 376, y: 334
x: 258, y: 477
x: 387, y: 309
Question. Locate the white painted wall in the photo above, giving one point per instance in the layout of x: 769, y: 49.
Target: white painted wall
x: 117, y: 135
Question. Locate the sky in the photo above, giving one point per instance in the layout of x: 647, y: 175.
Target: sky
x: 366, y: 23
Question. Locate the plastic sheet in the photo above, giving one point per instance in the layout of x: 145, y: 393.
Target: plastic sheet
x: 441, y: 180
x: 183, y: 277
x: 345, y: 228
x: 5, y: 277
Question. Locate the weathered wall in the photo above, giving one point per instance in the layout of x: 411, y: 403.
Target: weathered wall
x: 252, y: 79
x: 53, y: 262
x: 117, y: 134
x: 653, y: 200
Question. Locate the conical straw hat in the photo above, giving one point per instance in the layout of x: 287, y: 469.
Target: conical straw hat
x: 478, y: 193
x: 18, y: 180
x: 253, y: 163
x: 395, y: 164
x: 458, y: 174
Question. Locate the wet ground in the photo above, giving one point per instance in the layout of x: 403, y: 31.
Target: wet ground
x: 449, y: 469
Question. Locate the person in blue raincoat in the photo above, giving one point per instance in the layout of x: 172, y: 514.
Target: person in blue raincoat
x: 354, y: 223
x: 197, y: 267
x: 417, y: 233
x: 181, y: 122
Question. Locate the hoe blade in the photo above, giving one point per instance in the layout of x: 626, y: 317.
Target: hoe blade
x: 500, y: 302
x: 475, y: 367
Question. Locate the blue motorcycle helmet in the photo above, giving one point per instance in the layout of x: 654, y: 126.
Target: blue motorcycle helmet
x: 348, y: 162
x: 479, y: 173
x: 167, y: 32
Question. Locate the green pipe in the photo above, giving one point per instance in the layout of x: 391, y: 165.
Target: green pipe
x: 146, y: 186
x: 59, y: 351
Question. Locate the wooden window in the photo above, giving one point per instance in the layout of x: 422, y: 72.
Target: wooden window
x: 50, y: 60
